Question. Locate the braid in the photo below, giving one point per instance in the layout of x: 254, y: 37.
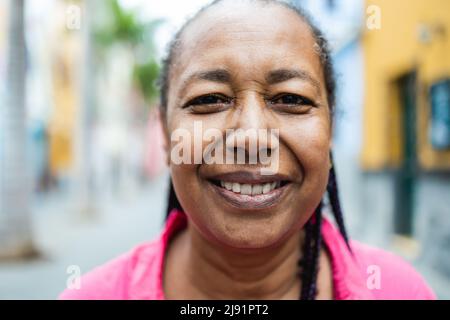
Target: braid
x: 305, y: 261
x: 316, y: 252
x: 333, y: 194
x: 173, y: 202
x: 311, y: 251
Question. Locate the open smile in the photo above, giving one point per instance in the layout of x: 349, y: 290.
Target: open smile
x: 246, y: 190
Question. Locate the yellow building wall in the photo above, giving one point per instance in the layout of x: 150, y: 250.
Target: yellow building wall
x: 391, y: 52
x: 65, y: 63
x: 63, y: 120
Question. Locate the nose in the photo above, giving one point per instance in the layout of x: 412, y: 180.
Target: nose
x: 252, y: 113
x: 250, y: 137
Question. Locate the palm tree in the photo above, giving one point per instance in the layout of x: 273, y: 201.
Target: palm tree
x: 85, y: 199
x: 126, y: 28
x: 15, y: 217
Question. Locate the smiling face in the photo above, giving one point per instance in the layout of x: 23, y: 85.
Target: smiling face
x: 251, y: 67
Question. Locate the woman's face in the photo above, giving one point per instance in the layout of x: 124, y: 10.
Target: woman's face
x: 250, y: 67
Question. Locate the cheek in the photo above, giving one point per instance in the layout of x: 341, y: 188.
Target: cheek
x: 189, y: 133
x: 309, y: 141
x: 180, y: 138
x: 185, y: 184
x: 193, y: 134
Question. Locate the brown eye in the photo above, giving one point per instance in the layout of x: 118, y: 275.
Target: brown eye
x: 208, y: 103
x: 292, y: 99
x: 210, y: 99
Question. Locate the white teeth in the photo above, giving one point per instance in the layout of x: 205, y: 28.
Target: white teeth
x: 246, y: 189
x: 250, y: 189
x: 257, y: 189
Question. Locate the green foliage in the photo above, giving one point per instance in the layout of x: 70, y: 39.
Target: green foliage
x: 145, y: 76
x: 125, y: 28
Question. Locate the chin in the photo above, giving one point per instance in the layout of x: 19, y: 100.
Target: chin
x: 252, y: 237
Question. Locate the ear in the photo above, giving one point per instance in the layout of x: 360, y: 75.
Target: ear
x: 166, y: 141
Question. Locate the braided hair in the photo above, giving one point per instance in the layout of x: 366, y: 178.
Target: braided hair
x: 309, y: 263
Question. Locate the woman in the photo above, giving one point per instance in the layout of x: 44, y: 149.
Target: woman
x: 233, y: 232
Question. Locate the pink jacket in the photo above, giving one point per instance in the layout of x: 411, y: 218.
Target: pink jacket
x: 138, y: 273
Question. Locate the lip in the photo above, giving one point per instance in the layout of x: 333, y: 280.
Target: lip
x: 243, y: 201
x: 249, y: 202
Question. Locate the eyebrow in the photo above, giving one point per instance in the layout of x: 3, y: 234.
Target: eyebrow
x: 215, y: 75
x: 272, y: 77
x: 282, y: 75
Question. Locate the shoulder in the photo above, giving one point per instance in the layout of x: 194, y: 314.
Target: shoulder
x: 390, y: 276
x: 119, y: 278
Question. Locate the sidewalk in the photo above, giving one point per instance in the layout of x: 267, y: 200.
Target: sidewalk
x: 64, y: 239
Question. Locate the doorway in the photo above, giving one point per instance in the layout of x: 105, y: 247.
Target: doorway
x: 405, y: 182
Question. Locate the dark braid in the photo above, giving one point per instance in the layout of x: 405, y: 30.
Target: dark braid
x: 311, y: 252
x: 173, y: 200
x: 316, y: 252
x: 333, y: 194
x: 312, y: 243
x: 305, y: 262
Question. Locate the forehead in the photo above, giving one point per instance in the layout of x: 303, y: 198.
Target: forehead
x: 247, y: 38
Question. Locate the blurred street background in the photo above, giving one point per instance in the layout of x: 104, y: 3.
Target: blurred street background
x: 82, y: 169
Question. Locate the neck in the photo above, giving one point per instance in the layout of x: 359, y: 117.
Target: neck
x: 215, y: 272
